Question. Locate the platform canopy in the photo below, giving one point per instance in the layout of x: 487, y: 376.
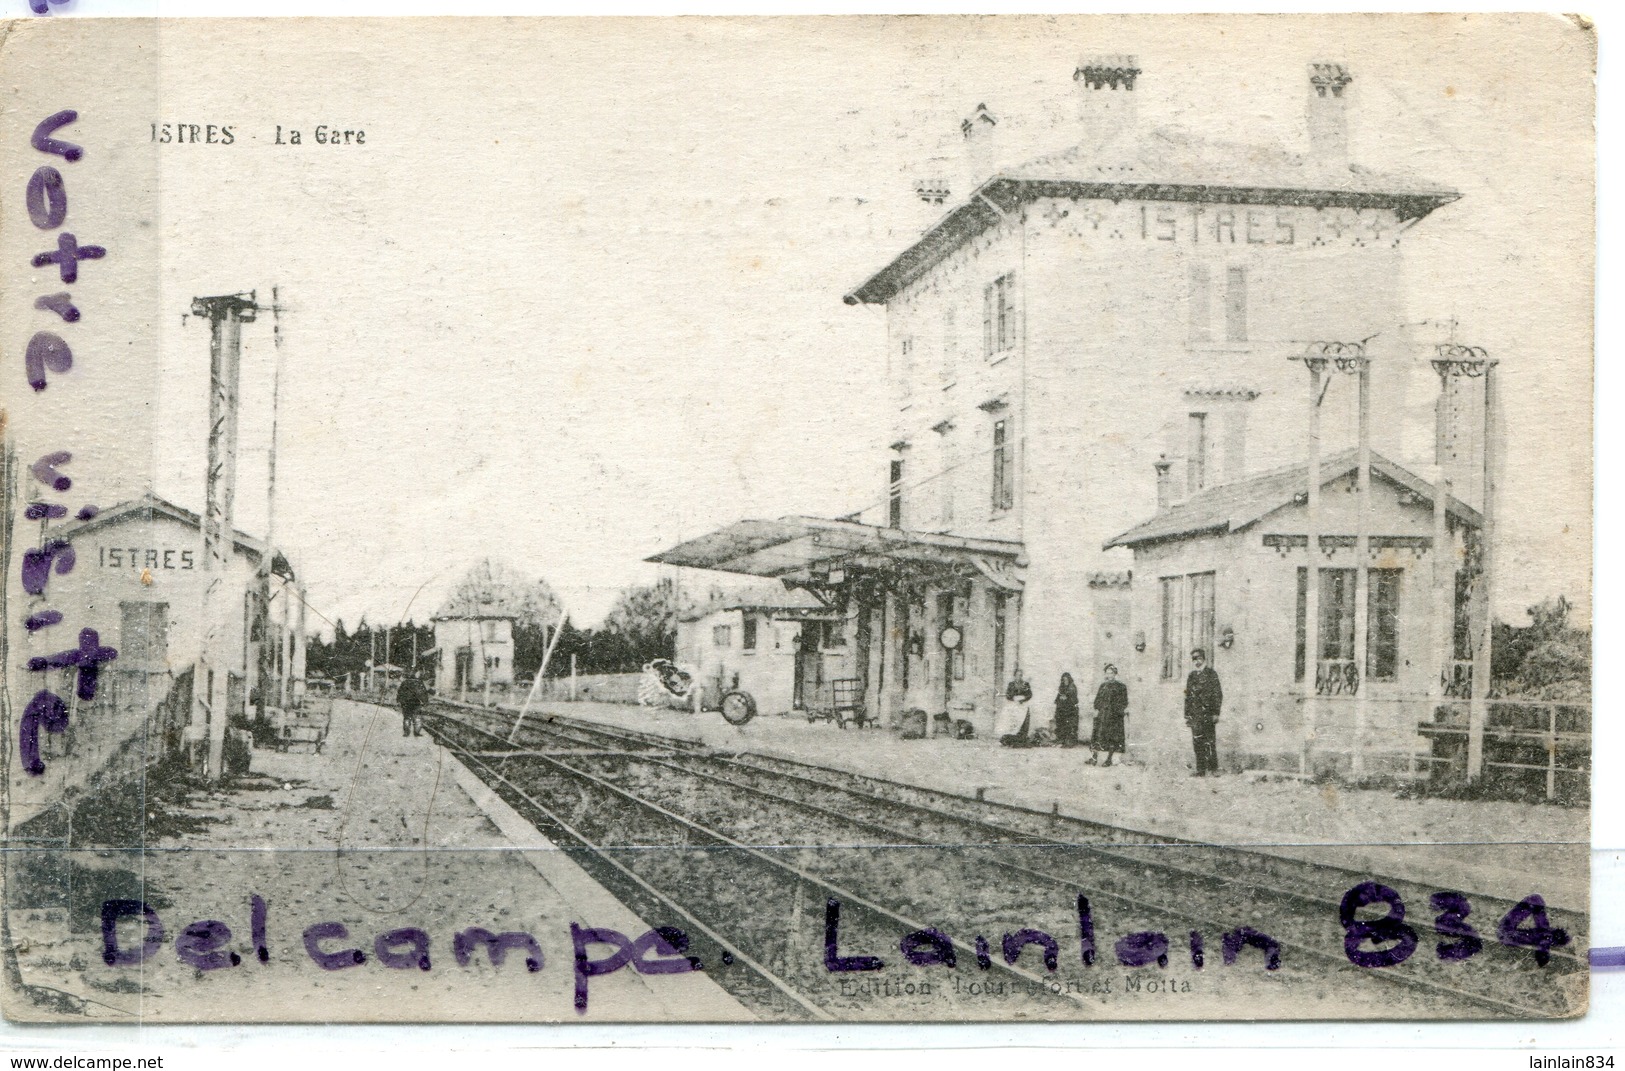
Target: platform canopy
x: 813, y: 551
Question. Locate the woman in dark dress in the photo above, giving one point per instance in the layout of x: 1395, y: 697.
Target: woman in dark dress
x: 1111, y: 707
x: 1066, y: 712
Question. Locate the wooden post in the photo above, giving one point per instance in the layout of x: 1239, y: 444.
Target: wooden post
x: 573, y: 694
x: 226, y: 315
x: 1444, y: 550
x: 1311, y: 598
x: 1362, y: 571
x: 1478, y: 710
x: 297, y: 667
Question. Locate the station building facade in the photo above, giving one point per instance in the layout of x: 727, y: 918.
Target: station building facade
x: 138, y: 579
x: 785, y: 647
x: 1089, y: 340
x: 473, y: 649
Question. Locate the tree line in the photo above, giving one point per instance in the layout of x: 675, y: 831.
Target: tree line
x: 640, y: 627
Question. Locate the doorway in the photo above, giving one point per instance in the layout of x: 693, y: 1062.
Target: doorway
x: 809, y: 668
x: 951, y: 629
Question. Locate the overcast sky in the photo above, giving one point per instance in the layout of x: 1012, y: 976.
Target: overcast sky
x: 579, y: 295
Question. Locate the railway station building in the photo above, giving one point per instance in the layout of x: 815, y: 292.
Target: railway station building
x: 138, y: 578
x: 782, y: 645
x: 473, y: 645
x: 1100, y: 420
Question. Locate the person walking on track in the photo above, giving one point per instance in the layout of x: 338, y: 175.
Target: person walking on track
x: 412, y: 697
x: 1203, y: 698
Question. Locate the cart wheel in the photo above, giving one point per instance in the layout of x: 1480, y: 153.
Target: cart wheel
x: 737, y: 708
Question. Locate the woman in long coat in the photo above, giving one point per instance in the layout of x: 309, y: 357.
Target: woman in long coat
x: 1111, y: 707
x: 1066, y: 712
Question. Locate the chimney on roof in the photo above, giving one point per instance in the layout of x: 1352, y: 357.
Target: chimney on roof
x: 933, y: 175
x: 1328, y: 114
x: 1165, y: 491
x: 1106, y: 97
x: 980, y: 131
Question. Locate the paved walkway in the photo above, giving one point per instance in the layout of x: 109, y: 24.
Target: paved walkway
x: 1500, y: 849
x: 377, y: 833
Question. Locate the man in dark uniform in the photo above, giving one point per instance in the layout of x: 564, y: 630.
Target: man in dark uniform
x: 1203, y: 698
x: 411, y: 697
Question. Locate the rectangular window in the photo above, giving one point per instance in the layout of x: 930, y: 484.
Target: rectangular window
x: 906, y: 366
x: 1463, y: 642
x: 721, y: 635
x: 1382, y: 621
x: 1003, y: 475
x: 143, y: 635
x: 1196, y: 453
x: 945, y: 481
x: 747, y: 633
x: 1008, y: 314
x: 1303, y: 615
x: 1173, y: 614
x: 988, y: 337
x: 1235, y: 305
x: 834, y: 634
x: 1335, y: 640
x: 950, y: 347
x: 894, y: 496
x: 1000, y: 316
x: 1202, y: 614
x: 1337, y: 615
x: 999, y: 607
x: 1201, y: 304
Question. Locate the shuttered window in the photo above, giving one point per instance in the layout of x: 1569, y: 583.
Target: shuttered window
x: 1003, y: 475
x: 1001, y: 318
x: 1235, y: 305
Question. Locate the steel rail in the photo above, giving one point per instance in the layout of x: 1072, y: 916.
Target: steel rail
x: 1184, y: 916
x: 1038, y: 841
x: 1032, y: 840
x: 846, y: 896
x: 695, y: 925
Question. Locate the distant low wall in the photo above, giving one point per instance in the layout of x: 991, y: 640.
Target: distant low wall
x: 594, y: 687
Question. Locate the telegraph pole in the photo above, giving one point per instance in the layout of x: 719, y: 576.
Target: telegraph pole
x: 266, y: 663
x: 226, y: 315
x: 1444, y: 557
x: 1455, y: 361
x: 1311, y: 595
x: 1362, y: 569
x: 1348, y: 358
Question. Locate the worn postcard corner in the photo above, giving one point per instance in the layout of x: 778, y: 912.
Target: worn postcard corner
x: 855, y: 519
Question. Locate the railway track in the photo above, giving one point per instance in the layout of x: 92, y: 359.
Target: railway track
x: 745, y: 852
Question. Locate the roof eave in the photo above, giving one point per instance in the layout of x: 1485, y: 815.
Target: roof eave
x: 984, y: 207
x: 1135, y: 542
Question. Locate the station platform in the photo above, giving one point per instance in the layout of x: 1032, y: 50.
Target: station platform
x: 1494, y: 848
x: 377, y: 833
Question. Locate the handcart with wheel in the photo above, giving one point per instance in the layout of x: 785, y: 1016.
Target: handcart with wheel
x: 844, y: 706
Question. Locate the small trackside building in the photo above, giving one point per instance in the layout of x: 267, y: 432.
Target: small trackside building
x: 138, y: 580
x: 1228, y: 571
x: 783, y: 646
